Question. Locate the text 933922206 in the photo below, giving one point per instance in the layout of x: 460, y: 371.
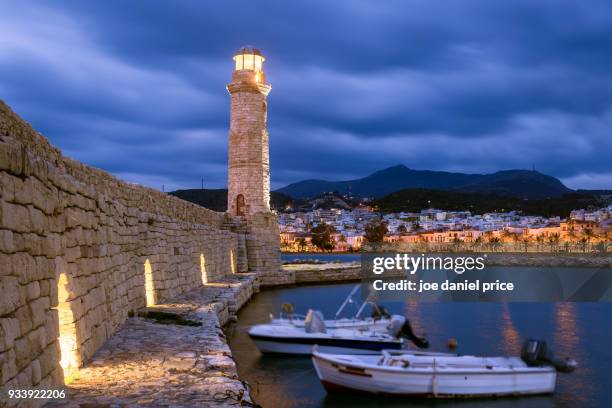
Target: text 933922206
x: 17, y: 394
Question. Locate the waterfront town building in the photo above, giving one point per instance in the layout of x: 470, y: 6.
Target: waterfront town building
x: 582, y: 228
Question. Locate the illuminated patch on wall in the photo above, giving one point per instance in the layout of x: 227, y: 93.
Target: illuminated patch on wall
x: 203, y: 269
x: 70, y: 359
x: 149, y: 287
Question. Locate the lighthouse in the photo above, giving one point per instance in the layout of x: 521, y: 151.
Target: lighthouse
x: 248, y: 178
x: 249, y: 157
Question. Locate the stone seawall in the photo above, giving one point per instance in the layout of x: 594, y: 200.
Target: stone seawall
x: 578, y: 260
x: 80, y: 250
x: 322, y: 273
x: 351, y: 271
x: 149, y: 362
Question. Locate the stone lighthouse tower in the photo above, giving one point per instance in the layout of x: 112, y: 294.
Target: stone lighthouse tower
x: 249, y: 159
x: 248, y: 187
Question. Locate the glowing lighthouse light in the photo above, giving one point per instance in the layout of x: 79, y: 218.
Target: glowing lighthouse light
x: 249, y: 59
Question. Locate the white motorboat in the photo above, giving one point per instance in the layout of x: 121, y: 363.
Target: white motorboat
x: 295, y: 340
x: 271, y: 338
x: 442, y: 375
x: 379, y: 323
x: 371, y: 324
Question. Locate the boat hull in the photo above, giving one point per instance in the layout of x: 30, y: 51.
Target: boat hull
x: 380, y: 325
x: 327, y: 345
x: 338, y: 376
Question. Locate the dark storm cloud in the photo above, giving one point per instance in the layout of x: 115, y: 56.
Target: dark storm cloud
x: 137, y: 88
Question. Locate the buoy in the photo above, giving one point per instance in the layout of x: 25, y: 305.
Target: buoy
x: 452, y: 343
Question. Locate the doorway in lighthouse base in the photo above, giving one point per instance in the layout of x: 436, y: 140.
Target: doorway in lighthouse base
x: 240, y: 205
x: 70, y: 360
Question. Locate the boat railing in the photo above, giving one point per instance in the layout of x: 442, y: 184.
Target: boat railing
x: 392, y: 357
x: 292, y: 316
x: 392, y: 353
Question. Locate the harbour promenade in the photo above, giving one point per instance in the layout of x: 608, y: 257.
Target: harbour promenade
x: 172, y: 354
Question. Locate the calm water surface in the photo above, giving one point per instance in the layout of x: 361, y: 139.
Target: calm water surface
x: 323, y: 257
x: 579, y: 330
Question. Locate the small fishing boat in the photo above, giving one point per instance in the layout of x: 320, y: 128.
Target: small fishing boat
x: 379, y: 322
x: 369, y: 323
x: 442, y: 375
x: 271, y: 338
x: 294, y: 340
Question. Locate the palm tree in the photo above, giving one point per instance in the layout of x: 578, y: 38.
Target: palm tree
x: 583, y: 242
x: 506, y: 233
x: 477, y: 242
x: 571, y: 230
x: 495, y: 243
x: 301, y: 244
x: 589, y: 234
x: 540, y: 241
x: 456, y: 243
x: 526, y: 241
x: 516, y: 238
x: 553, y: 240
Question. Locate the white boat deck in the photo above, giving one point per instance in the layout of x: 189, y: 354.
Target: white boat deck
x: 440, y: 363
x: 438, y: 376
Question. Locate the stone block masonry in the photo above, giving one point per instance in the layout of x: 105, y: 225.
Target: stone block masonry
x: 322, y: 273
x: 81, y: 250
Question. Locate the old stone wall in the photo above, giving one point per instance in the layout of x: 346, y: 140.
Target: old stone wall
x: 351, y: 271
x: 322, y: 273
x: 263, y: 249
x: 80, y: 250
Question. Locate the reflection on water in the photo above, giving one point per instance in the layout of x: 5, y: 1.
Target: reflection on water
x: 323, y: 257
x: 566, y: 342
x: 578, y: 330
x: 411, y: 310
x: 511, y: 340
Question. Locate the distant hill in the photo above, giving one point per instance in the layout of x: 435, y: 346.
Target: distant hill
x: 517, y: 183
x: 513, y: 183
x: 216, y: 199
x: 413, y: 200
x: 606, y: 193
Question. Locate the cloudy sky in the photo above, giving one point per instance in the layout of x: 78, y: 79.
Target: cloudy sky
x: 138, y: 88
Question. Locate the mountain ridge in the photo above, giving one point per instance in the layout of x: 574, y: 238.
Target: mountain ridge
x: 526, y: 184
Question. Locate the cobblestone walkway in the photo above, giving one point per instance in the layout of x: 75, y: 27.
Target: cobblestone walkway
x: 148, y: 363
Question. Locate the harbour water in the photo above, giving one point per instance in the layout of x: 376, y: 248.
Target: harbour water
x: 582, y: 331
x: 356, y: 257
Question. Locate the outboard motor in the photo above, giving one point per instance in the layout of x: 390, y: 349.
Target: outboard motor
x: 535, y: 353
x: 379, y: 312
x: 420, y: 342
x: 314, y: 323
x: 395, y: 325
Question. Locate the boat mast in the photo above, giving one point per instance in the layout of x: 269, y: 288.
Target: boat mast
x: 347, y: 300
